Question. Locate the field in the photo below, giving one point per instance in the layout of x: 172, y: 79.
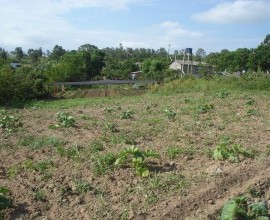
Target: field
x: 194, y: 148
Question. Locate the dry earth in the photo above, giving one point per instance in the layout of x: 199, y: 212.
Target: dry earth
x: 52, y: 172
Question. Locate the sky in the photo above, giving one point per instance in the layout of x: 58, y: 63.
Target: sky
x: 212, y: 25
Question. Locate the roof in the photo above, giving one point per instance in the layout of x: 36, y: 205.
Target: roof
x: 180, y: 62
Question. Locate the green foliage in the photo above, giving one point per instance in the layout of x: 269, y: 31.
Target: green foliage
x: 64, y: 119
x: 8, y: 122
x: 112, y: 127
x: 136, y: 158
x: 82, y: 187
x: 228, y: 151
x: 170, y: 114
x: 127, y: 114
x: 4, y: 201
x: 96, y: 146
x: 37, y: 143
x: 202, y: 109
x: 253, y: 112
x: 40, y: 195
x: 73, y: 152
x: 222, y: 94
x: 237, y: 208
x: 173, y: 152
x: 104, y: 163
x: 250, y: 101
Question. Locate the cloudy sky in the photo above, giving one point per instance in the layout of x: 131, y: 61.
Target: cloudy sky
x: 209, y: 24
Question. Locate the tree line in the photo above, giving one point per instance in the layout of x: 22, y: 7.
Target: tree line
x: 89, y: 62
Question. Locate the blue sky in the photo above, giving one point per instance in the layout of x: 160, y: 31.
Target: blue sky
x: 209, y: 24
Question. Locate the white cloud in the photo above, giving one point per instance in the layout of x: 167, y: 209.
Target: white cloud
x: 239, y: 11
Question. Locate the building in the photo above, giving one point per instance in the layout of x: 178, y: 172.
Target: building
x: 15, y: 65
x: 186, y: 67
x: 135, y: 75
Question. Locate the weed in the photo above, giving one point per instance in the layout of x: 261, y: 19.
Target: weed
x: 171, y: 182
x: 63, y: 119
x: 96, y: 146
x: 37, y: 143
x: 250, y: 101
x: 225, y: 150
x: 40, y: 195
x: 205, y: 108
x: 9, y: 123
x: 112, y: 127
x: 173, y: 152
x: 82, y: 187
x: 253, y: 112
x: 103, y: 163
x: 127, y: 114
x: 136, y: 158
x: 170, y: 114
x: 109, y: 109
x: 73, y: 152
x: 237, y: 208
x: 4, y: 201
x: 222, y: 94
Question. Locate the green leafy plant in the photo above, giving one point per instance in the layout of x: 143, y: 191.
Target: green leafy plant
x: 253, y: 112
x: 205, y: 108
x: 104, y: 163
x: 173, y: 152
x: 96, y: 146
x: 64, y: 119
x: 222, y: 94
x: 4, y: 201
x: 232, y: 152
x: 170, y: 114
x: 8, y: 122
x: 237, y: 208
x: 40, y: 195
x: 127, y: 114
x: 73, y: 152
x: 109, y: 109
x: 136, y: 158
x: 82, y: 187
x: 112, y: 127
x: 250, y: 101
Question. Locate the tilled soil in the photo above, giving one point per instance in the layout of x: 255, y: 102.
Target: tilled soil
x: 51, y: 172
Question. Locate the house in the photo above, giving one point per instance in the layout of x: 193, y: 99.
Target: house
x: 186, y: 67
x: 15, y: 65
x: 135, y: 75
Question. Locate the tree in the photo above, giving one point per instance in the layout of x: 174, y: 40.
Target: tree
x: 57, y: 53
x: 200, y: 55
x: 266, y: 40
x: 18, y: 53
x: 34, y: 55
x: 3, y: 54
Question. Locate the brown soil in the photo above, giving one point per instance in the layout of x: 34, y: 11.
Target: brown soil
x: 47, y: 185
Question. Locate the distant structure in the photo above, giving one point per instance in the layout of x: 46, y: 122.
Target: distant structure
x: 186, y: 67
x: 15, y: 65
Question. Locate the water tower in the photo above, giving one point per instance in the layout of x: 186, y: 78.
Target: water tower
x: 188, y: 61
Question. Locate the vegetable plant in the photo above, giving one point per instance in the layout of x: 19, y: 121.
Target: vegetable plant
x: 231, y: 152
x: 238, y: 208
x: 4, y: 201
x: 170, y: 114
x: 127, y: 114
x: 136, y: 158
x: 8, y: 122
x: 64, y: 119
x: 205, y: 108
x: 222, y: 94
